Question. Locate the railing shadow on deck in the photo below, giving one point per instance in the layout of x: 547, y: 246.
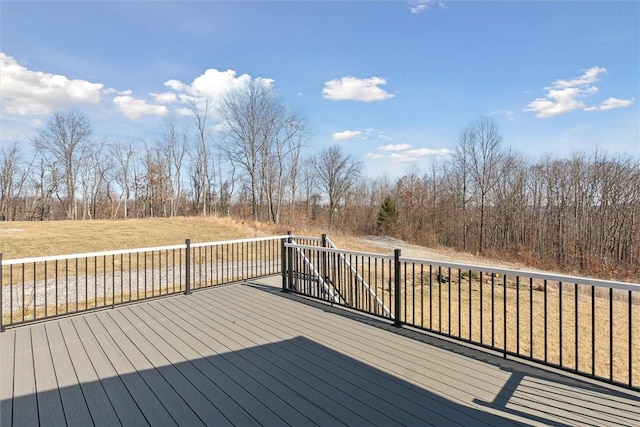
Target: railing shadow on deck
x: 546, y: 384
x: 291, y: 382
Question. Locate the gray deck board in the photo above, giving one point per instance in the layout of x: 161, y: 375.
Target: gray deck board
x: 210, y: 415
x: 384, y: 352
x: 100, y: 408
x: 48, y: 395
x: 7, y: 348
x: 301, y: 412
x: 25, y: 405
x: 552, y: 404
x: 152, y: 408
x: 314, y: 403
x: 241, y: 372
x: 219, y: 400
x: 347, y: 398
x: 118, y: 396
x: 239, y: 386
x: 381, y: 390
x: 251, y: 355
x: 254, y: 366
x: 463, y: 377
x: 73, y: 400
x: 160, y: 386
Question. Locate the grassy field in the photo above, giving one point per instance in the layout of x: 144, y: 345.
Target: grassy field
x: 23, y: 239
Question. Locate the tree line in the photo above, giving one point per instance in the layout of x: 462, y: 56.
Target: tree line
x: 577, y: 214
x: 580, y: 214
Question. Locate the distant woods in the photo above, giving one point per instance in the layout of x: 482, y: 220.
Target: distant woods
x: 580, y: 214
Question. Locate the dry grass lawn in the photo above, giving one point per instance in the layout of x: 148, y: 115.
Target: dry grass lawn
x: 22, y: 239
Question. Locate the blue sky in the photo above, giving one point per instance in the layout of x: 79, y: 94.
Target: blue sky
x: 392, y: 82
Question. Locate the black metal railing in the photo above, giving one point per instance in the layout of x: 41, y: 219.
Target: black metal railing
x: 586, y: 326
x: 40, y: 288
x: 358, y: 280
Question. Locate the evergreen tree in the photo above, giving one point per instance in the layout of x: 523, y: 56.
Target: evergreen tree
x: 387, y: 216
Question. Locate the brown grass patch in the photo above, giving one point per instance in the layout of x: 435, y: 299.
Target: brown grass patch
x: 22, y: 239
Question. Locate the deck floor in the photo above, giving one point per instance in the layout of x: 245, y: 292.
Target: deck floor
x: 247, y: 354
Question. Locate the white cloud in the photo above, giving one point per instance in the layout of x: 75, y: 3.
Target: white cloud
x: 419, y: 6
x: 416, y: 154
x: 611, y: 104
x: 212, y: 83
x: 345, y: 135
x: 406, y: 153
x: 589, y: 77
x: 134, y: 108
x: 395, y: 147
x: 364, y: 134
x: 34, y: 92
x: 175, y: 85
x: 165, y: 97
x: 567, y: 95
x: 184, y: 111
x: 427, y: 152
x: 25, y: 92
x: 507, y: 113
x: 401, y: 158
x: 355, y: 89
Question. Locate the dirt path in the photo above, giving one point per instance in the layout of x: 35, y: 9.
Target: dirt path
x: 387, y: 244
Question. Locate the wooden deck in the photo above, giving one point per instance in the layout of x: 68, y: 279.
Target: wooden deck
x: 247, y: 354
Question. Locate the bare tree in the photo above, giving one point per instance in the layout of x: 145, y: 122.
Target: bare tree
x: 337, y: 172
x: 44, y: 181
x: 226, y: 180
x: 307, y: 187
x: 279, y: 161
x: 13, y: 174
x: 482, y: 146
x: 197, y: 178
x: 262, y: 139
x: 94, y: 168
x: 123, y: 155
x: 174, y: 147
x: 63, y: 141
x: 200, y: 108
x: 458, y: 174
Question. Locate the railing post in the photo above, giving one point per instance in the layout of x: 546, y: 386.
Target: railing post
x: 283, y: 263
x: 187, y: 272
x: 396, y: 288
x: 289, y: 264
x: 323, y: 262
x: 504, y: 290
